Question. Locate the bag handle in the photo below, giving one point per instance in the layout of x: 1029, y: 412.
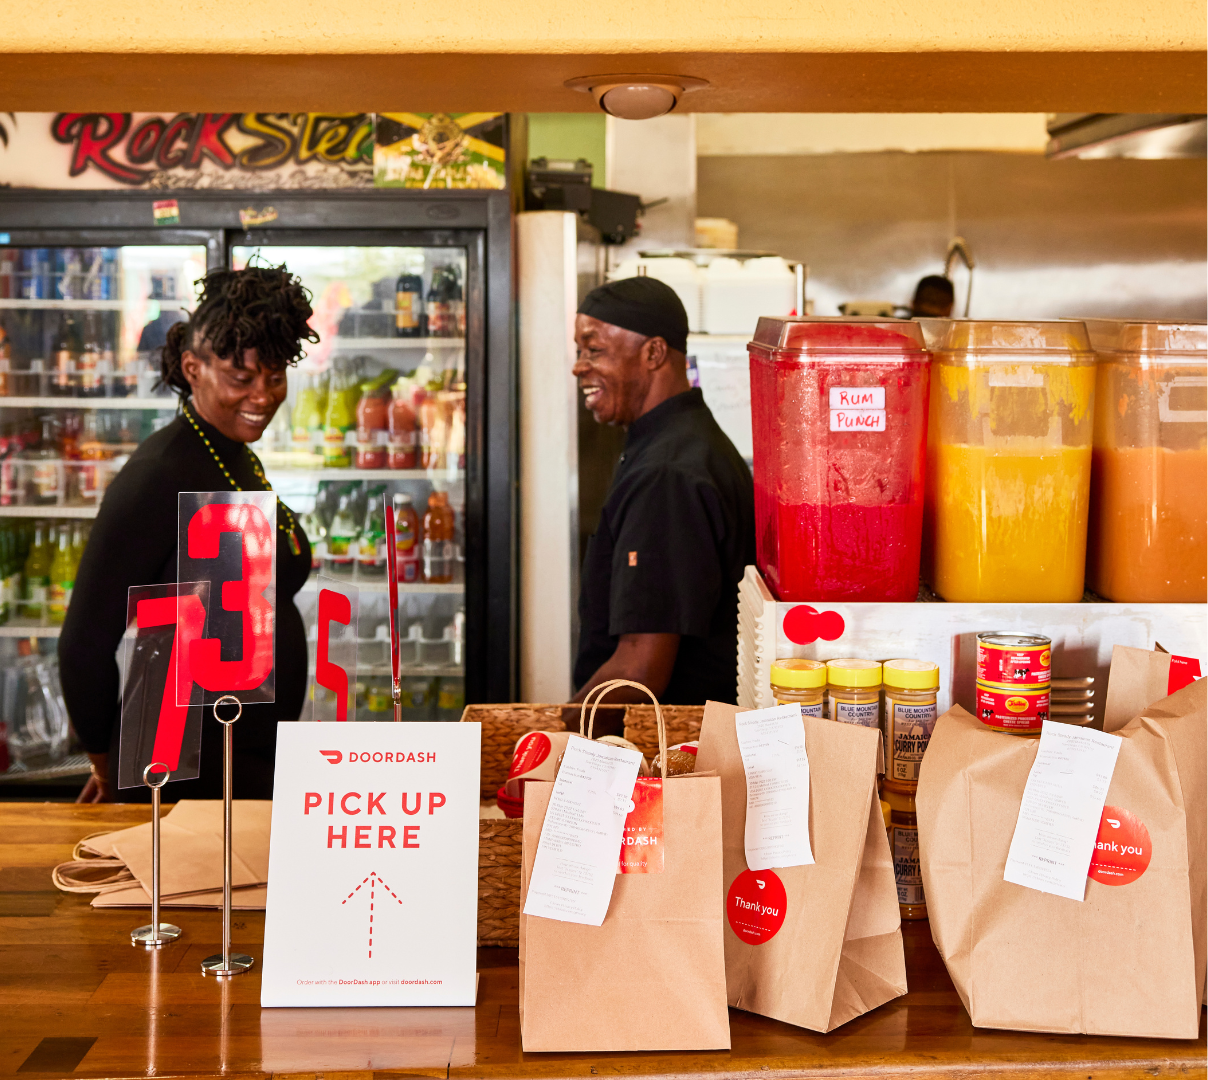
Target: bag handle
x: 599, y: 693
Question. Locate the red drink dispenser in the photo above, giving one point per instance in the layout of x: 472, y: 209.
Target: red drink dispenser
x: 839, y: 418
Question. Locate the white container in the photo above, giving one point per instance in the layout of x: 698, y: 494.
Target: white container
x: 735, y: 294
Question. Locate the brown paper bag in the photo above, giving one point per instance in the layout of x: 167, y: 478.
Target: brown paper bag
x: 1118, y: 963
x: 1184, y: 718
x: 1139, y: 677
x: 839, y: 951
x: 652, y: 977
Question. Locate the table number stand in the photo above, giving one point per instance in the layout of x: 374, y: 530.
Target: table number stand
x: 157, y: 933
x: 396, y: 688
x: 227, y: 964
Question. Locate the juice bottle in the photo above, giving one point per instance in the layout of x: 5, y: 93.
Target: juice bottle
x: 409, y: 303
x: 341, y: 538
x: 402, y: 426
x: 37, y: 572
x: 341, y: 419
x: 371, y: 546
x: 373, y: 422
x: 62, y: 578
x: 407, y: 544
x: 440, y: 553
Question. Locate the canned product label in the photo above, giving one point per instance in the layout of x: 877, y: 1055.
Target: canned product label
x: 910, y: 728
x: 866, y: 714
x: 906, y: 868
x: 812, y: 710
x: 1014, y: 663
x: 1012, y: 709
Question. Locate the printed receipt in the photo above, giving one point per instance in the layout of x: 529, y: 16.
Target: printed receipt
x: 772, y: 744
x: 576, y: 862
x: 1061, y: 809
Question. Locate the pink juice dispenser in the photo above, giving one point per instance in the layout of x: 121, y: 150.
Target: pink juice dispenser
x: 839, y: 418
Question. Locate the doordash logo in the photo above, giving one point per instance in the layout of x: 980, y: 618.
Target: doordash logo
x: 334, y: 757
x: 378, y: 757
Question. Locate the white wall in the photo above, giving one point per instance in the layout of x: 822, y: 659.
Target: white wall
x: 655, y: 159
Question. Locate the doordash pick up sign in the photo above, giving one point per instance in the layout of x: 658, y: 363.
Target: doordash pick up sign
x: 373, y: 866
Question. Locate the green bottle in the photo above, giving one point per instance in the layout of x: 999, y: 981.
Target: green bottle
x: 6, y: 560
x: 62, y: 578
x: 37, y: 572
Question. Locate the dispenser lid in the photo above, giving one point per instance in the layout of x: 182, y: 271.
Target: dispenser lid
x: 1188, y: 340
x: 1058, y: 336
x: 823, y: 334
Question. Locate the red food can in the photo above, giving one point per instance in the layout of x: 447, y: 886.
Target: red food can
x: 1009, y: 660
x: 1017, y: 710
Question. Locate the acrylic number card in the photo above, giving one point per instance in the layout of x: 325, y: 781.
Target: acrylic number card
x: 335, y: 633
x: 373, y: 866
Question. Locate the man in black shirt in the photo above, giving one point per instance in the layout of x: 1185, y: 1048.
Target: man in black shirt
x: 659, y: 597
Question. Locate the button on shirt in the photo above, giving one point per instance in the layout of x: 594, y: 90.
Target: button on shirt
x: 676, y: 531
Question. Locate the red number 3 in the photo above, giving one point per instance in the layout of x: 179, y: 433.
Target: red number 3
x: 246, y: 595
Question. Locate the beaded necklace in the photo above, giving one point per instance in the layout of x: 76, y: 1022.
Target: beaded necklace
x: 290, y: 525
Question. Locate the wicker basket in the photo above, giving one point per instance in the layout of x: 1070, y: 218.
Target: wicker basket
x: 502, y: 725
x: 683, y: 724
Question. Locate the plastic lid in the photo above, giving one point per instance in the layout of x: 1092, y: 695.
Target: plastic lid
x: 899, y: 801
x: 978, y: 335
x: 911, y: 674
x: 822, y: 334
x: 1187, y: 340
x: 799, y: 674
x: 885, y: 812
x: 854, y: 673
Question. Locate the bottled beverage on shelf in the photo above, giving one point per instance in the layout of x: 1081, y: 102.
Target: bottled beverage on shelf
x: 39, y: 732
x: 439, y: 311
x: 373, y: 422
x: 6, y: 361
x: 40, y: 468
x: 371, y: 557
x: 310, y: 412
x: 67, y: 351
x: 7, y: 555
x: 432, y: 431
x: 68, y: 273
x: 37, y: 572
x: 342, y: 538
x: 35, y: 273
x: 62, y: 578
x: 316, y: 533
x: 13, y: 566
x: 339, y: 425
x: 418, y: 698
x: 407, y: 542
x: 455, y: 439
x: 8, y: 274
x: 402, y: 426
x: 409, y: 305
x: 79, y: 538
x: 440, y: 552
x: 450, y: 697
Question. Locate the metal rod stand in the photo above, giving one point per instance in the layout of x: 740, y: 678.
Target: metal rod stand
x: 226, y: 964
x: 157, y: 933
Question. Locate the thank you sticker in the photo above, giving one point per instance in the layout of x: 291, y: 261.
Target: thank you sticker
x: 1122, y: 848
x: 755, y: 906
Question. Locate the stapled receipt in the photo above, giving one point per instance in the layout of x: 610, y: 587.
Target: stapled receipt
x: 1061, y: 808
x: 576, y: 862
x: 772, y: 744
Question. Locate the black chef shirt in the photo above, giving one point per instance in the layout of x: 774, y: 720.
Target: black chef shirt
x: 676, y: 532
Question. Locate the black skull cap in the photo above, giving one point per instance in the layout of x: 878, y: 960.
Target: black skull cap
x: 644, y: 305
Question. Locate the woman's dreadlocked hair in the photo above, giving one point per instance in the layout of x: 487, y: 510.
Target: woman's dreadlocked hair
x: 264, y: 308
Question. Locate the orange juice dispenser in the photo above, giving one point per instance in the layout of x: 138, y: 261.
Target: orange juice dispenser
x: 1149, y: 480
x: 839, y: 420
x: 1009, y: 461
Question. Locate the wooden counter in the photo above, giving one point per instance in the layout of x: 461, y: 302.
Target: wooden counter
x: 76, y: 999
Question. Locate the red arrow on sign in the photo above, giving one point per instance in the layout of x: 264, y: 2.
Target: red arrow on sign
x: 372, y: 880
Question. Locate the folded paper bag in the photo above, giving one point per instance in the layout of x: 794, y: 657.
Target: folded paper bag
x: 1184, y: 718
x: 652, y: 976
x: 1118, y: 962
x: 838, y: 952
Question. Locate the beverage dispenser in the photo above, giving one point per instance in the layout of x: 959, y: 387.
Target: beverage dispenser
x: 839, y: 419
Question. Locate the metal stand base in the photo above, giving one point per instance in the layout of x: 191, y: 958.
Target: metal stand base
x: 238, y: 964
x: 147, y: 937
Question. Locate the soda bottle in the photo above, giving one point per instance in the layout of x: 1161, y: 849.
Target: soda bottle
x: 341, y: 538
x: 371, y: 557
x: 403, y: 435
x: 6, y: 555
x: 439, y: 552
x: 62, y: 578
x: 67, y: 350
x: 37, y: 572
x: 6, y: 360
x: 310, y: 412
x: 457, y: 305
x: 40, y: 478
x: 440, y: 315
x: 79, y: 540
x: 341, y: 418
x: 407, y: 544
x: 409, y: 305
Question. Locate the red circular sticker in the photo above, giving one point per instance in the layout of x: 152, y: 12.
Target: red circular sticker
x: 1122, y: 849
x: 755, y: 906
x: 804, y: 625
x: 530, y: 752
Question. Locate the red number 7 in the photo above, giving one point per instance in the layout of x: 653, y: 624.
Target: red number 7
x: 188, y: 615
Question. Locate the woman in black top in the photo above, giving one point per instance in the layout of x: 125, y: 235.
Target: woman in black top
x: 228, y: 363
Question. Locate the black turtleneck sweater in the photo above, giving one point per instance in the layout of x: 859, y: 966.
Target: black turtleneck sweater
x: 133, y: 542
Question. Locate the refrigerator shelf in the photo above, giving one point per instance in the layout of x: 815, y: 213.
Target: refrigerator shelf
x: 87, y: 512
x: 166, y: 404
x: 20, y: 627
x: 350, y: 343
x: 382, y: 588
x: 86, y: 305
x: 443, y: 475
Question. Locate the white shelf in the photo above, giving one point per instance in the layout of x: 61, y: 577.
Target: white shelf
x: 20, y: 627
x: 349, y: 343
x: 382, y: 588
x: 84, y: 305
x: 167, y: 404
x: 442, y: 475
x: 48, y: 511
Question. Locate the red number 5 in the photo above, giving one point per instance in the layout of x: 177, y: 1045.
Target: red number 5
x: 245, y: 595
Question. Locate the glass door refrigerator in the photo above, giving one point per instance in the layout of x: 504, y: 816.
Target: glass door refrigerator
x: 409, y: 393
